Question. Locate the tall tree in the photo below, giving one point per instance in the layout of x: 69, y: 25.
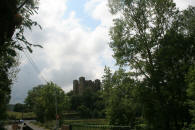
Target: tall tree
x: 137, y: 33
x: 15, y: 15
x: 156, y: 41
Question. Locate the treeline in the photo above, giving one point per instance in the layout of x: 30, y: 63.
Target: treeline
x: 89, y: 104
x: 49, y: 100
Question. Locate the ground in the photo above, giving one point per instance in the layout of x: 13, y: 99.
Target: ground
x: 34, y: 127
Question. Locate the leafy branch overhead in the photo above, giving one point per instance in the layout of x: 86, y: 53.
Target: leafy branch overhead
x: 137, y: 34
x: 27, y: 8
x: 15, y: 19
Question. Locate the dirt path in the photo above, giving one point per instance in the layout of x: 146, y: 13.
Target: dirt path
x: 28, y: 123
x: 34, y: 127
x: 8, y: 127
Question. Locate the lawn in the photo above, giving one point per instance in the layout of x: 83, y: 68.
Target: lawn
x: 18, y: 115
x: 86, y: 121
x: 51, y: 124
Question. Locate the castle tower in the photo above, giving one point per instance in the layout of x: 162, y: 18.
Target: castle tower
x: 81, y: 85
x: 75, y: 86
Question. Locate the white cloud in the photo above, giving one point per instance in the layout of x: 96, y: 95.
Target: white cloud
x: 50, y: 12
x: 70, y: 49
x: 99, y: 10
x: 183, y: 4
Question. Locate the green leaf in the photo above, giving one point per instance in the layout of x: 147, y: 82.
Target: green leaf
x: 12, y: 52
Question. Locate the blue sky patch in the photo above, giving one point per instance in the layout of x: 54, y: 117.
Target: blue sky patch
x: 78, y: 7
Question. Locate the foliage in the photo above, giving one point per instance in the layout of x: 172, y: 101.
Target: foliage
x: 107, y: 84
x: 8, y: 70
x: 15, y: 17
x: 43, y: 98
x: 13, y: 10
x: 20, y: 107
x: 90, y: 104
x: 19, y: 115
x: 122, y: 107
x: 156, y: 42
x: 191, y: 94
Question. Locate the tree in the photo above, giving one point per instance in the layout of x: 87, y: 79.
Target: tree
x: 15, y: 15
x: 43, y: 98
x: 136, y: 35
x: 190, y: 77
x: 88, y: 105
x: 156, y: 41
x: 168, y: 83
x: 107, y: 84
x: 122, y: 107
x: 19, y: 107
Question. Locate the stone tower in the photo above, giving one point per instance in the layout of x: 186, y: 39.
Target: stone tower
x: 79, y: 86
x: 75, y: 86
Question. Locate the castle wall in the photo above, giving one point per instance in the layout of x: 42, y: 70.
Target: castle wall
x: 79, y: 86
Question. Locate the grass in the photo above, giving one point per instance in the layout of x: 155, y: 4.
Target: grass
x: 18, y: 115
x: 51, y: 124
x: 87, y: 122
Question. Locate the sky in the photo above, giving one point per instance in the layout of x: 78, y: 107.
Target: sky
x: 75, y: 39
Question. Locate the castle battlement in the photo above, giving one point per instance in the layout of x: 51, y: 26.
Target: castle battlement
x: 79, y: 86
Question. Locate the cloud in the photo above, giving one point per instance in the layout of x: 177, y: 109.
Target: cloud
x: 99, y: 10
x: 75, y: 53
x: 70, y: 49
x: 183, y: 4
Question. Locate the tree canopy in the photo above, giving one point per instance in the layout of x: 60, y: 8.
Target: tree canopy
x: 90, y: 104
x: 44, y: 99
x: 155, y: 41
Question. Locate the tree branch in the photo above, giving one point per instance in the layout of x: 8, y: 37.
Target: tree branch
x: 139, y: 66
x: 21, y: 5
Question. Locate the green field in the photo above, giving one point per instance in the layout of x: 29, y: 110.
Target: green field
x: 86, y: 121
x: 18, y: 115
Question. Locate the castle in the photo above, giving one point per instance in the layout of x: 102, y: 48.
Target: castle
x: 79, y: 86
